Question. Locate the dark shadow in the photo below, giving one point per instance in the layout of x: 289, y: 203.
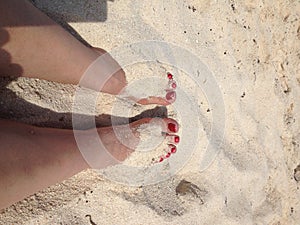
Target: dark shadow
x: 15, y: 108
x: 59, y: 10
x: 5, y: 58
x: 74, y: 10
x: 64, y: 11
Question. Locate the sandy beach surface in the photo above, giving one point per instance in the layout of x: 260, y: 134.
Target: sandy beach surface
x: 251, y: 48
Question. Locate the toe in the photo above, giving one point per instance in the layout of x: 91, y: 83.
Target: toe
x: 153, y: 100
x: 172, y: 149
x: 170, y: 126
x: 169, y: 99
x: 173, y: 126
x: 172, y: 85
x: 171, y: 96
x: 173, y: 139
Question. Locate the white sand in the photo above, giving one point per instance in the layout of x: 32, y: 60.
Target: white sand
x: 150, y: 148
x: 253, y: 48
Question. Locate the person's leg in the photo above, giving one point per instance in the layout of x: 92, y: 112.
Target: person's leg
x: 43, y: 49
x: 33, y: 158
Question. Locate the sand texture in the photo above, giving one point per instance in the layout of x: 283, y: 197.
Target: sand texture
x: 253, y: 49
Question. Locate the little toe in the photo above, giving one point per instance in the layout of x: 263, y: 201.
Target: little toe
x: 172, y: 149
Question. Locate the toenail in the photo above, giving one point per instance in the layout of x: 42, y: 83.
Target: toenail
x: 176, y: 139
x: 168, y: 155
x: 170, y: 76
x: 174, y: 85
x: 161, y: 159
x: 171, y: 96
x: 172, y: 127
x: 173, y: 149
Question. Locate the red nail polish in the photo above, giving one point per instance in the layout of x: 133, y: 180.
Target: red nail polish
x: 161, y: 159
x: 170, y: 76
x: 168, y: 155
x: 172, y: 127
x: 173, y: 149
x: 176, y: 139
x: 174, y: 85
x: 170, y: 96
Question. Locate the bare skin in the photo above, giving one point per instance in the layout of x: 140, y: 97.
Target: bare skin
x: 32, y: 45
x: 30, y: 154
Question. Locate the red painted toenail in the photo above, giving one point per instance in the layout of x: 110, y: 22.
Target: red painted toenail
x: 168, y: 155
x: 174, y: 85
x: 170, y: 96
x: 176, y: 139
x: 173, y: 149
x: 172, y: 127
x: 161, y: 159
x: 170, y: 76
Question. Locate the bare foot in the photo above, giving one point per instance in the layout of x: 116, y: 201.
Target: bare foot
x: 170, y: 94
x: 170, y: 86
x: 33, y: 45
x: 121, y: 148
x: 28, y: 154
